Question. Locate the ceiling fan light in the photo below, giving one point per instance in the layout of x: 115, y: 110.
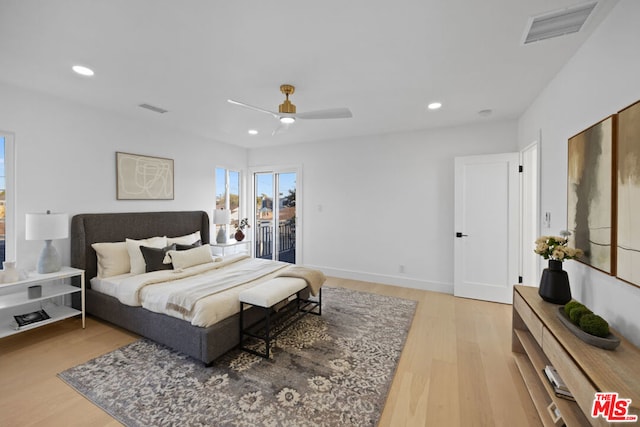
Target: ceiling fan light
x: 286, y: 120
x: 82, y: 70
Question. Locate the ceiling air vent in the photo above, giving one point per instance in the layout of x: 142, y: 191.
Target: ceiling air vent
x: 558, y: 23
x: 153, y: 108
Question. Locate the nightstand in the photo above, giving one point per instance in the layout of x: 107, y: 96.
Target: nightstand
x: 231, y: 248
x: 54, y: 297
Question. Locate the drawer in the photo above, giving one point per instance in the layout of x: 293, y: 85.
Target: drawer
x: 572, y: 375
x: 528, y: 317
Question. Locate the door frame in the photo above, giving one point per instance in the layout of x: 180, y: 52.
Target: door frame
x: 251, y: 181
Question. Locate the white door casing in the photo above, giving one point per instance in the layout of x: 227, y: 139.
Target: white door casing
x: 486, y: 248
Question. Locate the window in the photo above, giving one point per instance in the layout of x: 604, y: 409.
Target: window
x: 228, y: 193
x: 7, y: 197
x: 3, y: 191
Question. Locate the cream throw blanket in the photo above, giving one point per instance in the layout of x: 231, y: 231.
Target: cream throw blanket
x: 314, y: 278
x: 184, y: 301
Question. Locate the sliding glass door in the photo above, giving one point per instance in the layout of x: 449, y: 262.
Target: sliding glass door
x: 3, y: 188
x: 275, y: 210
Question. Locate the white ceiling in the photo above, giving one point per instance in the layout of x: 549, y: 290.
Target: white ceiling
x: 385, y: 60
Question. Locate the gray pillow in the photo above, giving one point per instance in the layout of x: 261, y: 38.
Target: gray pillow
x: 181, y: 247
x: 154, y: 257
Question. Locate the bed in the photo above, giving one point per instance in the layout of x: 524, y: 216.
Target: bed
x: 205, y: 343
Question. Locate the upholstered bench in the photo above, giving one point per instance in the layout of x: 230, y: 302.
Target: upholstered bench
x: 269, y: 295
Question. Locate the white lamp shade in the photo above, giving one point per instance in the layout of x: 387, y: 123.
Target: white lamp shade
x: 221, y: 216
x: 46, y: 226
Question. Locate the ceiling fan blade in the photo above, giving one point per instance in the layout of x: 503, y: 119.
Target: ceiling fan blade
x: 333, y: 113
x: 282, y: 127
x: 251, y: 107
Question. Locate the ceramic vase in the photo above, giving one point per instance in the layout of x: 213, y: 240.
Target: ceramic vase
x: 554, y: 284
x: 239, y: 236
x: 10, y: 272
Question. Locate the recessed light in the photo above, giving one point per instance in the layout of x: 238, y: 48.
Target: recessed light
x: 434, y: 105
x: 253, y: 132
x: 485, y: 113
x: 84, y: 71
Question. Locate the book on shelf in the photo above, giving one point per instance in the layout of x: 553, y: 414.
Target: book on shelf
x: 564, y: 394
x: 559, y: 387
x: 554, y: 378
x: 29, y: 318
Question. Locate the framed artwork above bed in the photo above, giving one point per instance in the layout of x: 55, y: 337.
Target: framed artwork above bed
x: 141, y: 177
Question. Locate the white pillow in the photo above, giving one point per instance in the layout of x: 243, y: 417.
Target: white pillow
x: 138, y: 266
x: 190, y: 257
x: 113, y: 259
x: 189, y: 239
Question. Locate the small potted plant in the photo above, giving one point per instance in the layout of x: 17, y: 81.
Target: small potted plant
x: 244, y: 223
x: 554, y: 283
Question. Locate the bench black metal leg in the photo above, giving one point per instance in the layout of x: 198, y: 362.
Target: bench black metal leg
x: 241, y: 324
x: 267, y: 332
x: 300, y: 308
x: 309, y: 305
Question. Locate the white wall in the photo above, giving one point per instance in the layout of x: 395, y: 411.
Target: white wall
x: 371, y: 204
x: 65, y: 161
x: 599, y: 80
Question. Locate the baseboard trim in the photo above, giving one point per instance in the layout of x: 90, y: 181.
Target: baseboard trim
x: 406, y: 282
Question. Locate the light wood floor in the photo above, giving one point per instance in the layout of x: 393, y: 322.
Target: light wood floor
x: 456, y: 368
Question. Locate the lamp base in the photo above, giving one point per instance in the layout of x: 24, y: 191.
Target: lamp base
x: 49, y: 261
x: 221, y: 237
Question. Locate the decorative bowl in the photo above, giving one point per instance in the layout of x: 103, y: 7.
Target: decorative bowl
x: 609, y: 342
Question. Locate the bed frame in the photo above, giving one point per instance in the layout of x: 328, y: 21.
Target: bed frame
x: 204, y: 344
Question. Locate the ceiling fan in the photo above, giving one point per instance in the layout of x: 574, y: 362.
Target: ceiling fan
x: 287, y: 111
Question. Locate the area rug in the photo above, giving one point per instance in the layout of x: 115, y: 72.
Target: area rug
x: 329, y: 370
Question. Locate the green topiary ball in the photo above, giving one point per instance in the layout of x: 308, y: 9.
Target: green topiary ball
x: 576, y: 313
x: 594, y: 325
x: 571, y: 305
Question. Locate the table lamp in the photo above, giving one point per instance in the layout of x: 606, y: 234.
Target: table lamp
x: 221, y: 217
x: 47, y: 226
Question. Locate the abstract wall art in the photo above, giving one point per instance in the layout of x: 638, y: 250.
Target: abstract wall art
x: 628, y: 181
x: 143, y: 178
x: 591, y: 194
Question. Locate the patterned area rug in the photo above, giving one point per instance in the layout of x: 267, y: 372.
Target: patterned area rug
x: 331, y: 370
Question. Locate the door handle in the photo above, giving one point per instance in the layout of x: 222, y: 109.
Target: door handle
x: 459, y: 234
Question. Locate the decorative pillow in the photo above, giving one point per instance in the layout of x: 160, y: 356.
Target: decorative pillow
x: 135, y: 255
x: 180, y: 247
x: 154, y: 257
x: 190, y: 257
x: 188, y: 239
x: 113, y: 258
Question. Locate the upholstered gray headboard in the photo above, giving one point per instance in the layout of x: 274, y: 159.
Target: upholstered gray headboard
x: 116, y: 227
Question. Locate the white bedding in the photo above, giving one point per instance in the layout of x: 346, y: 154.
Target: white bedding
x: 154, y: 290
x: 108, y: 285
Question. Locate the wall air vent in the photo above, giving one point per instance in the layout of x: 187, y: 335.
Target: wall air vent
x: 558, y: 23
x: 153, y: 108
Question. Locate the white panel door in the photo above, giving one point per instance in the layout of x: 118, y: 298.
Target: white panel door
x: 530, y: 261
x: 487, y: 230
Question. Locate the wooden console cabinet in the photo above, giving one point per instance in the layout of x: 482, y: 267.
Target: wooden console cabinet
x: 540, y: 339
